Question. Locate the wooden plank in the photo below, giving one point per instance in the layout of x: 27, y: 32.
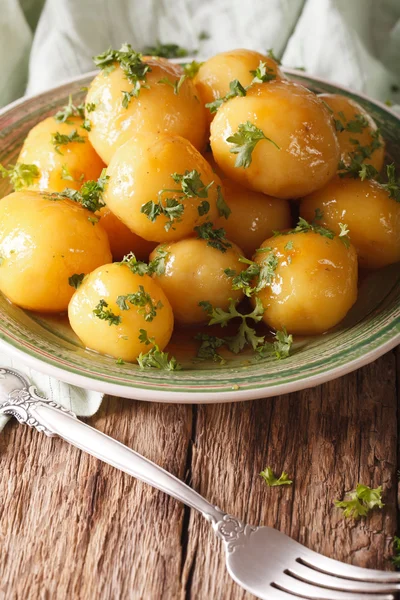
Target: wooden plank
x: 72, y: 527
x: 329, y: 439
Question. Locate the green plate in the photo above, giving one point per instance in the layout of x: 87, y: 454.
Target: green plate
x: 48, y: 344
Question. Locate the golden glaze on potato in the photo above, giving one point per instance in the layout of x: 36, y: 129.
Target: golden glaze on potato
x: 156, y: 109
x: 372, y: 218
x: 297, y: 121
x: 314, y: 285
x: 215, y: 74
x: 120, y: 340
x: 122, y: 239
x: 351, y: 110
x: 194, y: 272
x: 80, y: 161
x: 43, y: 243
x: 141, y: 168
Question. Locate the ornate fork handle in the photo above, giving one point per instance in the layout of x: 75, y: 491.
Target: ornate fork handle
x: 54, y: 420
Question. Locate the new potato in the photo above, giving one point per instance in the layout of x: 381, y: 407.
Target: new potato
x: 296, y: 121
x: 122, y: 239
x: 314, y: 284
x: 372, y: 217
x: 157, y: 108
x: 42, y: 243
x: 119, y: 340
x: 194, y: 272
x: 80, y: 160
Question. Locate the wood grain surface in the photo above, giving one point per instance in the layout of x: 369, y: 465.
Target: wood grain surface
x: 72, y: 527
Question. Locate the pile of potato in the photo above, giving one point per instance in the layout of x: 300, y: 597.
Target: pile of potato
x: 199, y: 214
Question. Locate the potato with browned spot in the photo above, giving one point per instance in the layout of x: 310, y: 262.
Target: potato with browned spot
x: 195, y: 272
x: 166, y: 102
x: 161, y: 187
x: 368, y: 211
x: 63, y: 154
x: 43, y: 243
x: 215, y: 74
x: 313, y: 285
x: 279, y: 139
x: 111, y: 308
x: 355, y: 128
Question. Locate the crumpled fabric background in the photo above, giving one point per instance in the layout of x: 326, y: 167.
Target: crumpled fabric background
x: 355, y: 43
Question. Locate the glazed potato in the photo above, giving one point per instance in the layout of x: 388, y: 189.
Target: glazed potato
x: 194, y: 272
x: 141, y: 173
x: 42, y: 244
x: 303, y: 154
x: 70, y: 166
x: 314, y: 284
x: 372, y: 217
x: 254, y: 216
x: 215, y: 74
x: 358, y: 125
x: 114, y: 331
x: 122, y: 239
x: 157, y: 108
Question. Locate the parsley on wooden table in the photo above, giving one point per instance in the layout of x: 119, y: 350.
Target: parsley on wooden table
x: 361, y: 501
x: 272, y: 480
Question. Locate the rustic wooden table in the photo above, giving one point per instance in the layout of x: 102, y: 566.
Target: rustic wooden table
x: 74, y: 528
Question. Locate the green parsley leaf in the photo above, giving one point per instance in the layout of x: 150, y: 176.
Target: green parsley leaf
x: 191, y: 69
x: 235, y: 89
x: 223, y: 208
x: 143, y: 300
x: 176, y: 85
x: 166, y: 50
x: 130, y: 62
x: 192, y: 185
x: 356, y: 166
x: 103, y: 312
x: 119, y: 361
x: 216, y: 238
x: 90, y: 196
x: 209, y: 346
x: 272, y: 481
x: 76, y: 280
x: 264, y: 272
x: 280, y: 348
x: 154, y: 358
x: 70, y: 110
x: 304, y: 226
x: 263, y: 74
x: 271, y: 54
x: 245, y: 140
x: 21, y: 175
x: 172, y: 210
x: 393, y: 184
x: 62, y: 139
x: 356, y: 125
x: 361, y: 501
x: 343, y: 235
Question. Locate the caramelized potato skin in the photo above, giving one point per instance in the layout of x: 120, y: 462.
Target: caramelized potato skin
x: 314, y: 286
x: 372, y: 217
x: 118, y: 340
x: 293, y: 118
x: 141, y: 168
x: 194, y: 272
x: 215, y: 74
x: 79, y: 160
x: 351, y: 109
x: 157, y: 108
x: 122, y: 239
x: 42, y: 244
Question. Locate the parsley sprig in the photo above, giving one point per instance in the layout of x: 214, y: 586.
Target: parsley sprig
x: 90, y: 196
x: 356, y: 166
x: 103, y: 312
x: 155, y: 358
x: 216, y: 238
x: 263, y: 273
x: 209, y: 346
x: 304, y: 226
x: 361, y: 501
x: 191, y: 69
x: 20, y: 175
x: 155, y: 266
x: 143, y: 301
x: 272, y: 480
x: 62, y: 139
x: 134, y: 69
x: 244, y: 141
x: 280, y: 347
x: 356, y: 125
x: 70, y: 110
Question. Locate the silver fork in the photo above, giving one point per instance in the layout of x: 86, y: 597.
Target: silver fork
x: 262, y: 560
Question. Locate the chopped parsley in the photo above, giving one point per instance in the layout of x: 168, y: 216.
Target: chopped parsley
x: 166, y: 50
x: 176, y: 85
x: 155, y: 266
x: 76, y: 280
x: 70, y: 110
x: 263, y: 74
x: 216, y: 238
x: 280, y: 348
x: 357, y: 167
x: 272, y: 481
x: 154, y: 358
x: 20, y: 175
x: 62, y: 139
x: 244, y: 142
x: 103, y: 312
x: 361, y: 501
x: 235, y: 89
x: 304, y: 226
x: 130, y: 62
x: 393, y: 184
x: 356, y: 125
x: 143, y: 301
x: 191, y: 69
x: 223, y: 208
x: 271, y: 54
x: 90, y: 196
x: 264, y: 272
x: 209, y: 346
